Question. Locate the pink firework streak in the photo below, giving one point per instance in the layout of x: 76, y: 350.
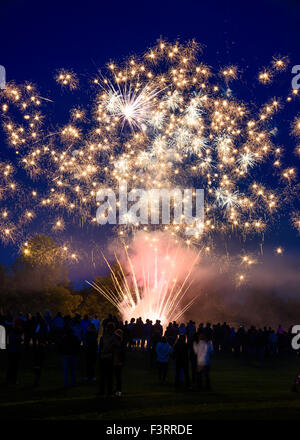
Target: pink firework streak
x: 151, y: 281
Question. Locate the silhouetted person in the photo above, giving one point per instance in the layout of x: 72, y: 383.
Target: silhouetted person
x: 96, y: 322
x: 126, y: 334
x: 137, y: 333
x: 238, y: 341
x: 106, y: 360
x: 91, y: 348
x: 29, y: 331
x: 182, y: 329
x: 147, y: 332
x: 118, y: 359
x: 181, y: 356
x: 157, y: 331
x: 191, y: 330
x: 163, y: 351
x: 272, y: 342
x: 14, y: 354
x: 131, y: 327
x: 41, y: 331
x: 69, y: 348
x: 48, y: 321
x: 106, y: 321
x: 217, y: 337
x: 76, y: 327
x: 208, y: 332
x: 171, y: 334
x: 84, y: 325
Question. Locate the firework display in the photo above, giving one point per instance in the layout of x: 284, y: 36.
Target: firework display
x: 162, y: 120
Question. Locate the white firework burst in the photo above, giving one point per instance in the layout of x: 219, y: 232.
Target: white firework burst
x: 182, y: 140
x: 199, y: 144
x: 247, y: 160
x: 121, y: 165
x: 226, y: 199
x: 157, y: 120
x: 223, y: 145
x: 133, y: 105
x: 173, y: 101
x: 193, y: 113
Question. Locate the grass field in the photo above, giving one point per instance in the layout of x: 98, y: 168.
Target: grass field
x: 242, y: 389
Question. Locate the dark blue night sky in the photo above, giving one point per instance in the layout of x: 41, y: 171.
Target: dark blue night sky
x: 37, y: 37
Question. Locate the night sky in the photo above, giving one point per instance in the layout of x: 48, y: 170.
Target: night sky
x: 38, y: 37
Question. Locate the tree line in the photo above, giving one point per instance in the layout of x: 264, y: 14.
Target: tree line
x: 38, y: 281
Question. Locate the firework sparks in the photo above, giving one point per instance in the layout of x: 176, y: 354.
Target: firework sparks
x: 132, y: 105
x: 164, y: 120
x: 155, y: 288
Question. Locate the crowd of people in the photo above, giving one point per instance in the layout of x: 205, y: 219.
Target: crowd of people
x: 105, y: 343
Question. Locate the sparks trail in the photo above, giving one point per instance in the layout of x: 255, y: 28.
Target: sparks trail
x: 147, y: 290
